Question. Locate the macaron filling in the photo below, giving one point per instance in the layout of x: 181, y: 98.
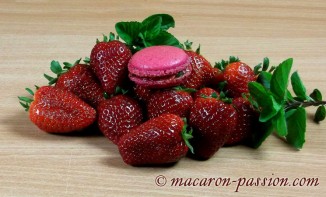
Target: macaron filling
x: 162, y: 81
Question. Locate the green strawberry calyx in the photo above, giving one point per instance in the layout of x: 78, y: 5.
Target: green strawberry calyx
x: 188, y: 46
x: 187, y: 135
x: 26, y: 101
x: 281, y: 112
x: 221, y: 65
x: 57, y: 69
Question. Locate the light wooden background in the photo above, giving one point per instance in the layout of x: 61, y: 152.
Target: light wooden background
x: 34, y: 32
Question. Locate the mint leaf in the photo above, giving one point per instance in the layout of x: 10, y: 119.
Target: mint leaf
x: 279, y: 123
x: 265, y: 79
x: 167, y: 20
x: 150, y: 28
x: 316, y: 95
x: 164, y: 38
x: 259, y: 135
x: 320, y: 114
x: 265, y: 64
x: 289, y: 96
x: 128, y: 31
x: 279, y: 80
x: 296, y: 123
x: 269, y: 107
x: 298, y: 87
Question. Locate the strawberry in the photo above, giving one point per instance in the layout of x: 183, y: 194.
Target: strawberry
x: 202, y: 71
x: 117, y: 115
x: 109, y: 61
x: 246, y: 118
x: 56, y: 110
x: 212, y: 121
x: 78, y: 79
x: 143, y: 93
x: 237, y: 76
x: 169, y: 101
x: 217, y: 77
x: 159, y: 140
x: 206, y: 92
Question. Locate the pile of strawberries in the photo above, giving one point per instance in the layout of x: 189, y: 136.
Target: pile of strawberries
x: 149, y: 126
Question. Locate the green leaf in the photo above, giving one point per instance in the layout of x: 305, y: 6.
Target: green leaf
x: 265, y: 79
x: 265, y: 64
x: 67, y: 65
x: 25, y: 99
x: 56, y: 67
x: 49, y: 78
x: 316, y: 95
x: 279, y: 80
x: 29, y: 91
x: 289, y: 96
x: 257, y: 68
x: 320, y: 114
x: 259, y: 135
x: 150, y: 28
x: 296, y: 123
x: 164, y: 38
x: 269, y: 107
x: 167, y: 20
x: 298, y: 87
x: 128, y: 31
x: 279, y: 123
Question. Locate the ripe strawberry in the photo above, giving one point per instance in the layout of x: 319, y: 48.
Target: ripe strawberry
x: 237, y: 76
x: 217, y: 77
x: 202, y: 71
x: 169, y: 101
x: 117, y: 115
x: 246, y: 119
x: 56, y: 110
x: 212, y: 121
x: 78, y: 79
x: 143, y: 93
x: 109, y: 61
x: 206, y: 92
x: 160, y: 140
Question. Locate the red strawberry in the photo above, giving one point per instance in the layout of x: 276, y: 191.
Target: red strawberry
x: 246, y: 119
x: 160, y: 140
x: 78, y: 79
x: 56, y: 110
x: 217, y: 77
x: 169, y: 101
x: 117, y: 115
x: 143, y: 93
x: 202, y: 71
x: 237, y: 76
x: 212, y: 121
x: 206, y: 92
x: 109, y: 61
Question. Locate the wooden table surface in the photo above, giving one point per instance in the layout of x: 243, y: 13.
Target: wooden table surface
x: 34, y: 32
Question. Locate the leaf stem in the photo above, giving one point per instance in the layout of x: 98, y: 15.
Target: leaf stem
x: 295, y: 104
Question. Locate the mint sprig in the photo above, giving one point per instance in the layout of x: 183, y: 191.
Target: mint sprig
x: 280, y: 111
x: 151, y: 31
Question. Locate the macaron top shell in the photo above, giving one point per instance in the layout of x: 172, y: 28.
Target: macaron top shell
x: 158, y: 61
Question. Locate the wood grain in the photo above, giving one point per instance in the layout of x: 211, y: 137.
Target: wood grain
x: 33, y: 32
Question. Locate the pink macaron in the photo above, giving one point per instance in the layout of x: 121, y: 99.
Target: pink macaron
x: 159, y: 67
